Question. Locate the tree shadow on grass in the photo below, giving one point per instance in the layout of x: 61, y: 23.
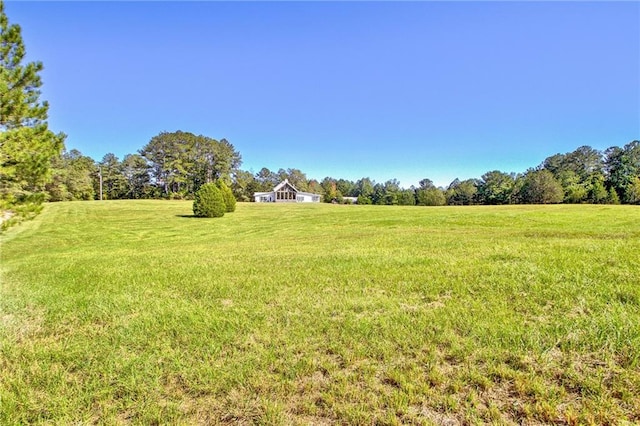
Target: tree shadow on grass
x: 188, y: 216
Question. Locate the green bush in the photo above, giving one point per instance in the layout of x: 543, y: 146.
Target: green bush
x: 209, y: 201
x: 229, y: 198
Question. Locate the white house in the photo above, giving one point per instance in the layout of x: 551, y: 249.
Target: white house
x: 350, y: 200
x: 285, y: 192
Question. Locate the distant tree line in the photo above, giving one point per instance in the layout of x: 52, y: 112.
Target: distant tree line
x: 175, y: 165
x: 585, y: 175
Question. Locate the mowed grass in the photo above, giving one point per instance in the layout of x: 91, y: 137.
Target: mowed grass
x: 134, y: 312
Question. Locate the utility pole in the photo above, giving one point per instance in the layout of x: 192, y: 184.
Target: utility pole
x: 100, y: 175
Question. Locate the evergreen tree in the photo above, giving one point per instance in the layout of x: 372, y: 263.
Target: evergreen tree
x: 597, y: 191
x: 208, y: 201
x: 72, y: 177
x: 622, y: 166
x: 244, y: 185
x: 114, y: 182
x: 181, y: 162
x: 27, y: 146
x: 136, y: 173
x: 632, y: 192
x: 227, y: 196
x: 613, y: 197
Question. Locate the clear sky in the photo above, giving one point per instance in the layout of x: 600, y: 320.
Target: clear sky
x: 386, y: 90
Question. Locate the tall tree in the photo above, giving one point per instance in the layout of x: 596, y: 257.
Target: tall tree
x: 226, y: 159
x: 297, y: 179
x: 27, y: 146
x: 597, y: 191
x: 79, y: 170
x: 632, y: 192
x: 495, y: 187
x: 72, y: 177
x: 575, y: 189
x: 244, y: 185
x: 330, y: 191
x: 575, y: 171
x: 426, y: 184
x: 462, y: 193
x: 428, y: 195
x: 378, y: 195
x: 622, y: 167
x: 407, y: 197
x: 266, y: 179
x: 431, y: 197
x: 346, y: 187
x: 364, y: 190
x: 136, y: 173
x: 586, y: 161
x: 541, y: 187
x: 114, y: 182
x: 315, y: 187
x: 391, y: 192
x: 181, y: 162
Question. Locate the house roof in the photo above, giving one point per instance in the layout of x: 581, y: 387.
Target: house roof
x: 282, y: 184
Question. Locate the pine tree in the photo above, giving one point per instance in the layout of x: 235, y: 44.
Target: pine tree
x: 27, y: 146
x: 613, y: 197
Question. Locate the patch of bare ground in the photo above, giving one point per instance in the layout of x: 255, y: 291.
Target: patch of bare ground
x: 6, y: 215
x: 22, y: 327
x: 437, y: 418
x: 237, y: 407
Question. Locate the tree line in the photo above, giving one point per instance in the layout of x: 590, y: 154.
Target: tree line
x: 174, y: 165
x: 585, y: 175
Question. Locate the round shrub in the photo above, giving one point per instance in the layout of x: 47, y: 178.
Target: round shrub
x: 227, y: 195
x: 209, y: 202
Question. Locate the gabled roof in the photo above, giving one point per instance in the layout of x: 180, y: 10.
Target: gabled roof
x: 282, y: 184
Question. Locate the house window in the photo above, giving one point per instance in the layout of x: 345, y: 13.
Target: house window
x: 286, y: 193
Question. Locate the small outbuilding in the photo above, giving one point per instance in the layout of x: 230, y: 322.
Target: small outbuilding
x: 285, y: 192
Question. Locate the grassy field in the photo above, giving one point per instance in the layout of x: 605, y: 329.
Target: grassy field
x: 134, y: 312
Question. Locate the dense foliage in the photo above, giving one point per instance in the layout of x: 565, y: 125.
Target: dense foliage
x: 209, y: 201
x: 180, y: 162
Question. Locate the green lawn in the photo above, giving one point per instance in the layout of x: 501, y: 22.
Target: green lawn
x: 134, y: 312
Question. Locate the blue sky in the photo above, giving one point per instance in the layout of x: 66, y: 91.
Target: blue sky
x: 345, y: 89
